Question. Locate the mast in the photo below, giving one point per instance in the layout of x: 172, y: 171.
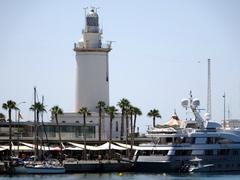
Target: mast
x: 35, y: 127
x: 224, y: 110
x: 209, y: 90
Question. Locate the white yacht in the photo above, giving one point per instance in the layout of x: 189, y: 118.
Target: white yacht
x: 198, y: 145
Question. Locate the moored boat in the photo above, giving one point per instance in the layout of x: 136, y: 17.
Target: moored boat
x: 197, y: 146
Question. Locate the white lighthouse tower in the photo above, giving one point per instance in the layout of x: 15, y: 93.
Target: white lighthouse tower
x: 92, y: 81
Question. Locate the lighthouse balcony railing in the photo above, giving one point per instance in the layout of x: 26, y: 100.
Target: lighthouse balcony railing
x: 81, y: 45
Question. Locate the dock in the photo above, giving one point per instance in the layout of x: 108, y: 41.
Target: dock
x: 98, y: 166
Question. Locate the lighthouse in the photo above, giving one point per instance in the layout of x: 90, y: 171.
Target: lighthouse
x: 92, y: 76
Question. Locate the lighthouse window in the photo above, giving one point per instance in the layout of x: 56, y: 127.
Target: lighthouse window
x: 92, y: 21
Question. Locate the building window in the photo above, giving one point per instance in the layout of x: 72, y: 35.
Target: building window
x: 116, y: 126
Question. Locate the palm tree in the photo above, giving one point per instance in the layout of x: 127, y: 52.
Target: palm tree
x: 37, y: 108
x: 154, y: 113
x: 131, y: 112
x: 111, y: 111
x: 123, y: 104
x: 10, y: 105
x: 100, y: 106
x: 136, y: 112
x: 84, y: 111
x: 56, y: 110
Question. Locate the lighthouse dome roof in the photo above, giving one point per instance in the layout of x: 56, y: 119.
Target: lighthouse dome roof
x: 92, y: 13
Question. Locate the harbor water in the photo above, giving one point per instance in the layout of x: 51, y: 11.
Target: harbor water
x: 127, y: 176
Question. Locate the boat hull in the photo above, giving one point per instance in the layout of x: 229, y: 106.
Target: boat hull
x: 39, y: 170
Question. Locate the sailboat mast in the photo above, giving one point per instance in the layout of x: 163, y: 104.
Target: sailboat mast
x: 35, y: 127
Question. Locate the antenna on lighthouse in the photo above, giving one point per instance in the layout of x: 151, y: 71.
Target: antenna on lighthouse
x: 110, y: 43
x: 85, y: 11
x: 209, y: 90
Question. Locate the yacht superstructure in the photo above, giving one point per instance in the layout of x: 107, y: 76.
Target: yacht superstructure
x: 199, y: 145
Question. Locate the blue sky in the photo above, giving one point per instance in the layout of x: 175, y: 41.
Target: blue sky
x: 160, y: 53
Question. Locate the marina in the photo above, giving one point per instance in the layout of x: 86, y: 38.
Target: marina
x: 100, y: 138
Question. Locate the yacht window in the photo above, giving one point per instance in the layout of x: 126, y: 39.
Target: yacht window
x: 190, y: 140
x: 235, y: 152
x: 163, y: 152
x: 208, y: 152
x: 211, y: 140
x: 223, y: 152
x: 223, y: 141
x: 183, y: 152
x: 169, y: 140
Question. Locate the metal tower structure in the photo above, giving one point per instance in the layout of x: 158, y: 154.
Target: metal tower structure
x: 209, y: 90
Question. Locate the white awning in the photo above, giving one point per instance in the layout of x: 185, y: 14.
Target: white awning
x: 15, y: 148
x: 98, y: 148
x: 44, y: 148
x: 2, y: 148
x: 82, y: 146
x: 113, y: 146
x: 73, y: 148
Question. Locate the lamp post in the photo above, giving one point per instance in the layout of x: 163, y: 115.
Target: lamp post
x: 224, y: 111
x: 18, y: 119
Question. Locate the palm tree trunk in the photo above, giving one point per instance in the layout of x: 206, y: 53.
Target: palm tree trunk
x: 100, y: 126
x: 37, y: 133
x: 131, y: 126
x: 134, y: 123
x: 134, y: 127
x: 10, y: 133
x: 84, y: 136
x: 122, y: 124
x: 153, y: 121
x: 127, y: 130
x: 110, y: 140
x: 60, y: 138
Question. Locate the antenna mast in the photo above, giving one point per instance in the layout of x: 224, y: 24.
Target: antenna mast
x: 209, y: 90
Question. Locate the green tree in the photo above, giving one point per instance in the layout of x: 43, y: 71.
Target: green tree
x: 136, y: 112
x: 84, y: 111
x: 123, y: 104
x: 56, y: 110
x: 154, y: 113
x: 111, y: 111
x: 2, y: 117
x: 100, y: 106
x: 37, y: 108
x: 9, y: 106
x: 131, y: 112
